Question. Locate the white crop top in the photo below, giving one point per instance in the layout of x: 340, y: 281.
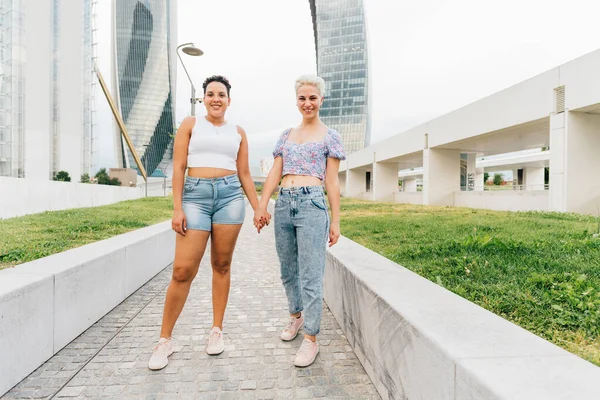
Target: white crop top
x: 213, y: 146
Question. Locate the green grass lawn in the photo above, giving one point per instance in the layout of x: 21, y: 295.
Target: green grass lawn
x: 39, y: 235
x: 538, y: 270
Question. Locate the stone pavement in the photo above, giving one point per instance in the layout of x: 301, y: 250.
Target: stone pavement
x: 109, y: 360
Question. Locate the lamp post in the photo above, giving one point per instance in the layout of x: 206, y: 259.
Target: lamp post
x: 191, y: 50
x: 146, y: 166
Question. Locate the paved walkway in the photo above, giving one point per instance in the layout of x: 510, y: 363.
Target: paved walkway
x: 109, y: 360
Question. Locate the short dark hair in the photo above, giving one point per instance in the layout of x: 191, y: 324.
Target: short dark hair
x: 217, y: 78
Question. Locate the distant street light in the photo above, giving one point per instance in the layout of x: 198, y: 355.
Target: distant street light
x: 191, y: 50
x: 146, y: 166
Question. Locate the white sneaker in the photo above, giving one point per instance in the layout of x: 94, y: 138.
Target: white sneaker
x: 307, y: 353
x: 215, y: 345
x: 291, y: 330
x: 160, y: 354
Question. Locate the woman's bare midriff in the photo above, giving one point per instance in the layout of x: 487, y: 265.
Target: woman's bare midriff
x: 300, y: 180
x: 203, y: 172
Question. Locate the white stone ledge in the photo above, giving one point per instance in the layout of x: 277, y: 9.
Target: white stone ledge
x: 46, y: 303
x: 418, y: 340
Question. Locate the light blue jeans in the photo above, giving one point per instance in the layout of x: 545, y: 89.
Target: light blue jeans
x: 301, y: 233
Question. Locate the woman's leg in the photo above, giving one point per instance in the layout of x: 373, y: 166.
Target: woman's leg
x: 287, y: 251
x: 312, y: 227
x: 189, y: 250
x: 222, y: 244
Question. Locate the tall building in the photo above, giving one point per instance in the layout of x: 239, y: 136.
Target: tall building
x: 12, y: 93
x: 342, y: 61
x: 144, y: 79
x: 46, y: 87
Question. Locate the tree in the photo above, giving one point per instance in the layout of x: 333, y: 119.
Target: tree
x: 62, y: 176
x: 85, y: 178
x: 498, y: 179
x: 486, y: 176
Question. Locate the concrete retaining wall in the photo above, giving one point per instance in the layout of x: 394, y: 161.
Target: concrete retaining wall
x: 505, y: 200
x: 46, y: 303
x: 418, y: 340
x: 20, y: 196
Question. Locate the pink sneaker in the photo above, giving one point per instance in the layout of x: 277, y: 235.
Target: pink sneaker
x: 291, y: 330
x: 160, y: 354
x: 215, y: 345
x: 307, y: 353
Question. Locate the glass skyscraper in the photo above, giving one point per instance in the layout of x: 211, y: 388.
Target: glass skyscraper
x: 12, y: 91
x: 46, y: 87
x: 342, y: 61
x: 145, y: 79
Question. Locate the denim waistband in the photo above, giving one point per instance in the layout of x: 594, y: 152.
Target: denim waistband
x: 226, y: 179
x: 301, y: 190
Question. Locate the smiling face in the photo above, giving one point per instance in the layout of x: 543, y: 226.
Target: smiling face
x: 216, y: 99
x: 308, y: 101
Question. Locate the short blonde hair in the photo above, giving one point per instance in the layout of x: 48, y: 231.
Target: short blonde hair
x: 313, y: 80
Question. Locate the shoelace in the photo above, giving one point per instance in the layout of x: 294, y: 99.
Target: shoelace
x: 214, y: 335
x: 290, y: 324
x: 161, y: 348
x: 305, y: 348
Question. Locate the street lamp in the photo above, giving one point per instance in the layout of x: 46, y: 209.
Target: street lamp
x: 146, y: 166
x: 191, y: 50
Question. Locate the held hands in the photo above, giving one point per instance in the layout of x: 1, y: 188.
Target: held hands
x: 179, y: 223
x: 261, y: 218
x: 334, y: 233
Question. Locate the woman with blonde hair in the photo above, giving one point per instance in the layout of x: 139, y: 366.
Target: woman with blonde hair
x: 207, y: 203
x: 305, y: 157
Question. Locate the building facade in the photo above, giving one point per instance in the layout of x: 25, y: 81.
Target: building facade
x: 46, y: 82
x: 144, y: 80
x: 342, y: 61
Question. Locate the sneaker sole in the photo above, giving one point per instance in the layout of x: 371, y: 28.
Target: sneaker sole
x: 164, y: 366
x: 295, y: 336
x: 215, y: 354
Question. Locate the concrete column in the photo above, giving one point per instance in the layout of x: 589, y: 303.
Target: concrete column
x: 342, y: 180
x: 574, y: 162
x: 479, y: 174
x: 558, y: 133
x: 70, y: 141
x: 410, y: 184
x: 533, y: 178
x: 355, y: 182
x: 38, y: 118
x: 385, y: 181
x: 441, y: 176
x: 515, y: 173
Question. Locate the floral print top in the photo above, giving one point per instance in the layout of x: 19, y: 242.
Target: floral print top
x: 308, y: 158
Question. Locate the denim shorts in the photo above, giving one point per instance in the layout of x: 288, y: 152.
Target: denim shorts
x: 208, y: 201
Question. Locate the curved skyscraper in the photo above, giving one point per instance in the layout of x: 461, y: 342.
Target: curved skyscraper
x: 144, y: 76
x: 342, y: 60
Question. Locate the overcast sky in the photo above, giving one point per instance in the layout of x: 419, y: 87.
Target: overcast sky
x: 427, y: 57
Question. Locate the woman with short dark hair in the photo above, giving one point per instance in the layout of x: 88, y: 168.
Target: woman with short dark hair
x: 208, y: 202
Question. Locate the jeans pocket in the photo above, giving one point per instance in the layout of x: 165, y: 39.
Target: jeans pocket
x: 319, y: 203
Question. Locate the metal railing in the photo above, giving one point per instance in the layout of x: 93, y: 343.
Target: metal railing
x: 489, y: 188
